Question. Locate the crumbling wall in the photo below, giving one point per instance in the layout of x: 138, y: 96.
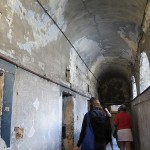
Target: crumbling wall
x: 80, y: 108
x: 31, y: 40
x: 142, y: 59
x: 140, y: 110
x: 37, y: 112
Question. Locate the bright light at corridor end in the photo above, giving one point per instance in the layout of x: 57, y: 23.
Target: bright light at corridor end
x: 114, y: 107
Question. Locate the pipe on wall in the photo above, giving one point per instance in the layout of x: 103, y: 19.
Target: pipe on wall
x: 42, y: 76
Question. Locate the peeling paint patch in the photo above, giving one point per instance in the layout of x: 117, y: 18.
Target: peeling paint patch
x: 31, y: 132
x: 9, y: 53
x: 84, y: 44
x: 147, y: 18
x: 132, y: 44
x: 17, y: 7
x: 89, y: 49
x: 44, y: 31
x: 57, y: 10
x: 41, y: 65
x: 9, y: 18
x: 73, y: 57
x: 78, y: 71
x: 26, y: 46
x: 9, y: 35
x: 36, y: 104
x: 27, y: 59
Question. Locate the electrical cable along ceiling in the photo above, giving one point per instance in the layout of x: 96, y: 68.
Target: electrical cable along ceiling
x: 105, y: 32
x: 106, y: 35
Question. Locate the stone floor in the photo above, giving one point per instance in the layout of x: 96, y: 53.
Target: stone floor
x: 115, y: 147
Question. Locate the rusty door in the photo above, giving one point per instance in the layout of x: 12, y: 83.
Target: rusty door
x: 7, y: 75
x: 1, y: 95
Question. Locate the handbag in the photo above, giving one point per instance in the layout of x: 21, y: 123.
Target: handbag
x: 88, y: 141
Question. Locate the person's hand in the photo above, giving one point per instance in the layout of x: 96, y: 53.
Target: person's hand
x: 76, y: 148
x: 108, y: 113
x: 106, y: 109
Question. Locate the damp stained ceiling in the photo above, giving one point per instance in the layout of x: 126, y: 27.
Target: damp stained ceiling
x: 105, y: 32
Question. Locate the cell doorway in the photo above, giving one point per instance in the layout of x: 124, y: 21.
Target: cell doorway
x: 67, y: 122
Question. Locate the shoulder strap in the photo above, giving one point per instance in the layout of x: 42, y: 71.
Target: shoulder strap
x: 88, y: 120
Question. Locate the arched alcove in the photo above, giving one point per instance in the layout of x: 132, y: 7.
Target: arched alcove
x: 144, y: 72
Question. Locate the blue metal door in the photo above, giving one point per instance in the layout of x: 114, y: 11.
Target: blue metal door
x: 9, y: 71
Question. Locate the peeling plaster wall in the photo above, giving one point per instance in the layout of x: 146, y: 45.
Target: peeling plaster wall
x: 105, y: 33
x: 109, y: 29
x: 31, y: 38
x: 80, y: 108
x: 141, y: 66
x: 141, y: 121
x: 78, y: 72
x: 37, y: 108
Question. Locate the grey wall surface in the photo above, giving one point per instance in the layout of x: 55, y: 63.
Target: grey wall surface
x: 80, y: 108
x: 37, y: 108
x: 30, y: 39
x: 141, y: 121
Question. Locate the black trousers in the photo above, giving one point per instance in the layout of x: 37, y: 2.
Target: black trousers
x: 99, y: 146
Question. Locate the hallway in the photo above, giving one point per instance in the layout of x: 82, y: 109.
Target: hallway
x: 57, y: 54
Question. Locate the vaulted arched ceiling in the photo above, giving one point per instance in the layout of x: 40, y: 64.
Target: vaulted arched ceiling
x: 105, y: 32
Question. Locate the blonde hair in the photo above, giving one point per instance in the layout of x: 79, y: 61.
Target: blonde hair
x: 94, y: 105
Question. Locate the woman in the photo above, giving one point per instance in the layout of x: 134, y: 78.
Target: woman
x: 108, y: 132
x: 98, y: 118
x: 123, y: 121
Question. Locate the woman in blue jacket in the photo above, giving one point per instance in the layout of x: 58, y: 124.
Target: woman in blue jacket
x: 98, y: 119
